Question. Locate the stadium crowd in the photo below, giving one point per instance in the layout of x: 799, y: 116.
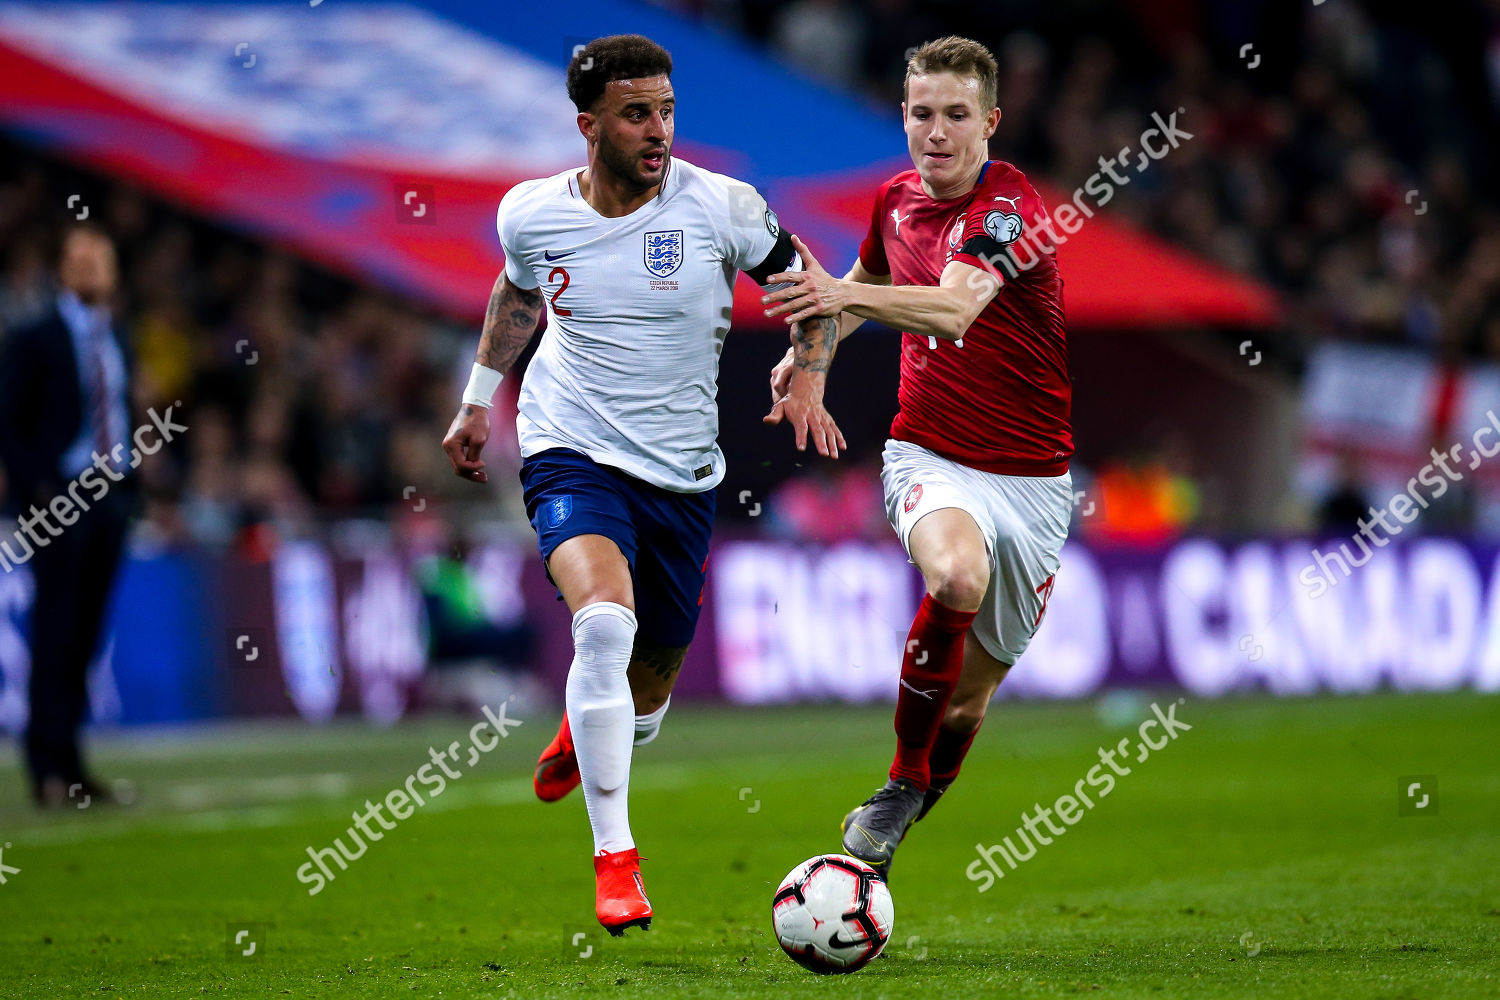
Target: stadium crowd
x: 308, y: 397
x: 1319, y: 169
x: 1338, y: 158
x: 312, y: 397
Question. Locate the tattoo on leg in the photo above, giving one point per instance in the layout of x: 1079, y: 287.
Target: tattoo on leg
x: 664, y: 661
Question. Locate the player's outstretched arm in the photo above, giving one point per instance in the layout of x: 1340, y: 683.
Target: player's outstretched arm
x: 813, y: 343
x: 510, y: 320
x: 946, y: 311
x: 781, y: 375
x: 848, y: 321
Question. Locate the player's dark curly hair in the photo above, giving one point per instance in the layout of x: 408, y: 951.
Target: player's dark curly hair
x: 615, y: 57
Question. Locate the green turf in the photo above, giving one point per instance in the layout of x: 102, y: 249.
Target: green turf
x: 1277, y: 820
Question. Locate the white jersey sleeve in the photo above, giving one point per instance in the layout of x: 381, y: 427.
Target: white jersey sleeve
x: 751, y: 228
x: 508, y: 223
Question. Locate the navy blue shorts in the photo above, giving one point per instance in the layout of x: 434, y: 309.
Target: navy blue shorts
x: 663, y: 535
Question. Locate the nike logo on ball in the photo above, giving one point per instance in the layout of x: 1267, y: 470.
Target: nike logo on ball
x: 837, y: 940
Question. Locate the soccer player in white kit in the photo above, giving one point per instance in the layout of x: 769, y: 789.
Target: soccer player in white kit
x: 634, y: 257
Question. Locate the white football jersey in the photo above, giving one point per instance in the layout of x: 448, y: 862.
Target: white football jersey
x: 637, y: 310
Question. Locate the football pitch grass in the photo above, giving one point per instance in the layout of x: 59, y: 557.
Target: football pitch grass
x: 1261, y: 854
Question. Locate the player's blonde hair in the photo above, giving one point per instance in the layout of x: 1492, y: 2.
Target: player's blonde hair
x: 961, y: 57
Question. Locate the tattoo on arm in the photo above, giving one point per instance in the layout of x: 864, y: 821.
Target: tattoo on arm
x: 509, y: 322
x: 814, y: 342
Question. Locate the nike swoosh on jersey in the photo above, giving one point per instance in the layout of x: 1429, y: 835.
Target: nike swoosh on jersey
x: 550, y: 258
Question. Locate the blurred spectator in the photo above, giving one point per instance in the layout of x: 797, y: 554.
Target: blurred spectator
x: 25, y: 292
x: 824, y: 38
x: 65, y: 442
x: 1341, y: 510
x: 478, y: 658
x: 1145, y: 498
x: 1311, y: 173
x: 458, y: 627
x: 309, y: 397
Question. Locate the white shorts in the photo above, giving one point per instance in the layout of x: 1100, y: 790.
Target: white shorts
x: 1024, y: 521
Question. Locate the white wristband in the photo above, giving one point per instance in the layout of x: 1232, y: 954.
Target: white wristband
x: 483, y: 381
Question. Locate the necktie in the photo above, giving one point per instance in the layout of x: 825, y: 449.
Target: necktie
x: 99, y: 401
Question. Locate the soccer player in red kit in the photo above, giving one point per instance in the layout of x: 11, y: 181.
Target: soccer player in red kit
x: 976, y: 470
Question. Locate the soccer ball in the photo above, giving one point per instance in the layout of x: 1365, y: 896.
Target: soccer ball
x: 832, y: 913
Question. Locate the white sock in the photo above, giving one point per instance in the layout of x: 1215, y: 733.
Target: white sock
x: 602, y: 714
x: 647, y: 726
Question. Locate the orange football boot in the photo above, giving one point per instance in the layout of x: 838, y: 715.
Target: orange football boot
x: 557, y: 768
x: 620, y: 896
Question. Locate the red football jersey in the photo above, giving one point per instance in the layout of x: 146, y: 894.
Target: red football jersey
x: 1002, y: 401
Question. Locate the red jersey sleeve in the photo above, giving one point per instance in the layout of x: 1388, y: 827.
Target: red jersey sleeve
x: 1006, y: 219
x: 872, y: 250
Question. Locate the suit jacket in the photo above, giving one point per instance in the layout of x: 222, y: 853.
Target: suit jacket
x: 42, y: 407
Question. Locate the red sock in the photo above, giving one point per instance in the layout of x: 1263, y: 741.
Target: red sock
x: 929, y: 673
x: 948, y: 752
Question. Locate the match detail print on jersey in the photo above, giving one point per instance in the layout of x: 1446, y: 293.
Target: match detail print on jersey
x: 638, y: 307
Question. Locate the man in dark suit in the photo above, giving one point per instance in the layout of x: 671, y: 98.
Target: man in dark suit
x: 64, y: 415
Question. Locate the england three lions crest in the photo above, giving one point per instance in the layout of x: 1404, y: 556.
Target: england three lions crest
x: 664, y: 252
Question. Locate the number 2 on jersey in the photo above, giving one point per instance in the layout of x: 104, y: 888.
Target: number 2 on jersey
x: 560, y: 310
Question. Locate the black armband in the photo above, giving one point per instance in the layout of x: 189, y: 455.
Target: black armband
x: 986, y: 248
x: 781, y: 258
